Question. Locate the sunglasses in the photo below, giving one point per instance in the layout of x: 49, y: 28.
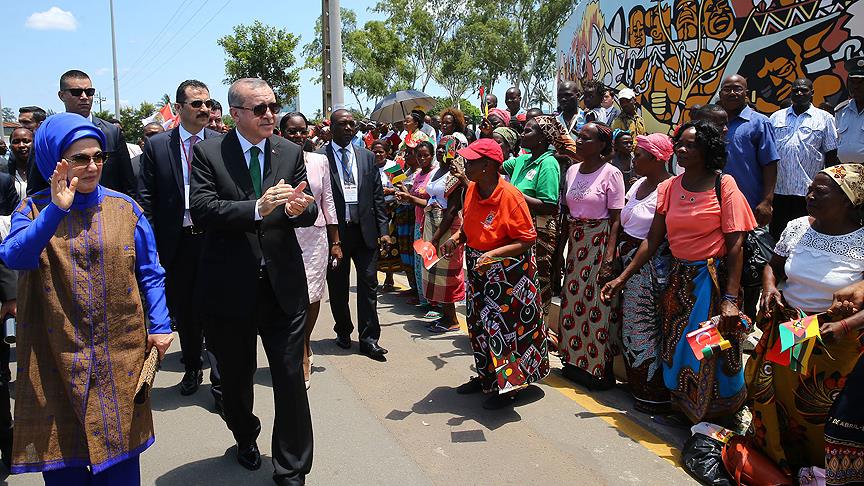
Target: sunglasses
x: 80, y: 161
x: 77, y: 91
x: 197, y: 103
x: 261, y: 110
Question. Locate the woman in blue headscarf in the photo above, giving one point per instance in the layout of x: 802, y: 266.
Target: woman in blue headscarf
x: 84, y: 253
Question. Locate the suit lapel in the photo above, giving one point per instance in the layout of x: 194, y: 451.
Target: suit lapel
x: 272, y: 150
x: 174, y: 158
x: 235, y: 164
x: 336, y: 182
x: 361, y: 169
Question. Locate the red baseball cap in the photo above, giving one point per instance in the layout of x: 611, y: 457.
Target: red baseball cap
x: 484, y: 147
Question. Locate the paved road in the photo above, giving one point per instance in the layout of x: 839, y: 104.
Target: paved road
x: 401, y: 422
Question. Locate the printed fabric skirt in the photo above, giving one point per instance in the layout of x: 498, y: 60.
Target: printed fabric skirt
x: 389, y: 256
x: 403, y: 218
x: 641, y: 327
x: 316, y: 251
x: 418, y: 266
x: 547, y: 239
x: 789, y: 408
x: 445, y: 281
x: 844, y: 432
x: 505, y: 323
x: 589, y: 328
x: 705, y: 388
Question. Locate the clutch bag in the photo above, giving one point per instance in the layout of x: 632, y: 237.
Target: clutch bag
x: 148, y: 374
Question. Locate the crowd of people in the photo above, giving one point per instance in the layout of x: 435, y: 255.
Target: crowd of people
x: 738, y: 219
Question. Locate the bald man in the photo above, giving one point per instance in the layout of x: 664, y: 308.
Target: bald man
x: 569, y: 112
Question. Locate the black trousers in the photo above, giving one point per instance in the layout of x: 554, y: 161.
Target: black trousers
x: 235, y: 344
x: 184, y: 301
x: 338, y: 284
x: 786, y: 208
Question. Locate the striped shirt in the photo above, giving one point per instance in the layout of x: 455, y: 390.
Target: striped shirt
x: 802, y: 141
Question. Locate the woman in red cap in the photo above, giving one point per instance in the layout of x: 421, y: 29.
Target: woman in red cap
x: 505, y: 322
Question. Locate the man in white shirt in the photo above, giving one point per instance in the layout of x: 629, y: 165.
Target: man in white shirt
x: 806, y: 139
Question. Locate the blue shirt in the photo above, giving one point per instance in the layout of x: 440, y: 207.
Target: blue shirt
x: 28, y: 238
x: 749, y: 147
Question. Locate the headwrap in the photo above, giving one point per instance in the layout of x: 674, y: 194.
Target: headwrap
x: 502, y: 114
x: 56, y: 134
x: 508, y: 134
x: 657, y: 144
x: 850, y: 178
x: 618, y: 132
x: 558, y: 136
x: 418, y: 117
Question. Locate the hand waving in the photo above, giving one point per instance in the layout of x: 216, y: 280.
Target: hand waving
x: 62, y: 191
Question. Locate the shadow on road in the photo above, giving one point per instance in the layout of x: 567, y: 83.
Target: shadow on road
x: 217, y: 470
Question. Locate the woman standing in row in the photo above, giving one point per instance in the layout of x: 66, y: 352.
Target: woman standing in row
x: 594, y: 198
x: 389, y: 259
x: 641, y: 334
x: 706, y: 234
x: 444, y: 283
x: 505, y: 323
x: 313, y: 240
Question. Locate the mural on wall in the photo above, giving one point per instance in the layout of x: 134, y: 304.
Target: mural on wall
x: 674, y: 53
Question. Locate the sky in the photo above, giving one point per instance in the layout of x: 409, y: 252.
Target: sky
x: 43, y: 39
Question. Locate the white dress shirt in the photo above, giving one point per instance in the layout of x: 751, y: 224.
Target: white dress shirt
x: 351, y: 162
x: 246, y: 145
x: 802, y: 141
x: 186, y: 151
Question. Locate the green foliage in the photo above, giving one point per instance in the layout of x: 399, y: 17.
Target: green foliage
x: 228, y: 121
x: 130, y: 119
x: 263, y: 51
x: 103, y: 114
x: 472, y: 112
x: 9, y: 115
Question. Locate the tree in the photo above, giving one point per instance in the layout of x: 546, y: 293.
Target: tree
x: 457, y: 70
x: 130, y: 119
x: 263, y: 51
x: 103, y: 114
x: 472, y: 113
x: 9, y: 115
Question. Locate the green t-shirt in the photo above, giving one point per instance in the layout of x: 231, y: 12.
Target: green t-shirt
x: 539, y: 179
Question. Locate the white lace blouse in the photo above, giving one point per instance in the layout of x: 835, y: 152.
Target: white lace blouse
x: 818, y: 265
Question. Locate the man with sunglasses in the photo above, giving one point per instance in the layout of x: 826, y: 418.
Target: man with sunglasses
x: 76, y: 93
x: 249, y: 192
x: 164, y: 196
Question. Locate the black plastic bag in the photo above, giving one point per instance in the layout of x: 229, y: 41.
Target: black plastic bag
x: 702, y: 459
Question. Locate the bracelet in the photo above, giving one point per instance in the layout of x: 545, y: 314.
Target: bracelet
x: 336, y: 243
x: 730, y: 298
x: 845, y: 326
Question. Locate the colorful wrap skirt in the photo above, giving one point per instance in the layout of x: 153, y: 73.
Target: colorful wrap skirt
x: 389, y: 256
x: 403, y: 218
x: 589, y: 328
x: 445, y: 281
x: 548, y: 230
x: 505, y: 323
x: 844, y: 432
x: 700, y: 388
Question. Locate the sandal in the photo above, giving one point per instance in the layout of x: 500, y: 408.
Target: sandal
x: 471, y: 386
x: 438, y: 327
x: 432, y: 315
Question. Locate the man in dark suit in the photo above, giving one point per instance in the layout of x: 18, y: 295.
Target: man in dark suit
x: 164, y: 196
x: 76, y: 93
x: 249, y: 192
x: 359, y: 198
x: 150, y: 129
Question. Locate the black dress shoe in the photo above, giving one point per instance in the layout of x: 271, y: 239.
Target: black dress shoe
x: 343, y: 342
x: 248, y: 456
x: 190, y: 382
x: 373, y: 351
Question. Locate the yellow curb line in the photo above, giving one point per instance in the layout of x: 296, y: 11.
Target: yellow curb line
x: 614, y: 417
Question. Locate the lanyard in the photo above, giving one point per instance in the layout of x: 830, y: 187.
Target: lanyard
x: 186, y: 156
x: 346, y: 169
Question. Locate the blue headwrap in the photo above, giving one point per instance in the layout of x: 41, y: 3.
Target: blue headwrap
x: 56, y: 134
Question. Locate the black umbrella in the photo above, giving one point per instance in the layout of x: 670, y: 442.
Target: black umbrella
x: 397, y: 106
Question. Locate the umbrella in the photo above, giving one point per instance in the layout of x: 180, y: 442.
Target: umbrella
x: 398, y: 105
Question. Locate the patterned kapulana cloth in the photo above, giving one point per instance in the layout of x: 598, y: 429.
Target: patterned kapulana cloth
x: 505, y: 323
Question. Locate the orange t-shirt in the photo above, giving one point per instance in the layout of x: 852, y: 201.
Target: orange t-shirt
x: 498, y: 220
x: 695, y: 223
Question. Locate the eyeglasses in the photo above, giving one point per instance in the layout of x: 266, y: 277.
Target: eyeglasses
x: 261, y: 110
x: 197, y: 103
x: 77, y: 91
x: 732, y: 89
x: 80, y: 161
x: 295, y: 131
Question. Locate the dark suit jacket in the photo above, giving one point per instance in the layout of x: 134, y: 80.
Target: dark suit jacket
x: 116, y: 173
x: 160, y: 189
x: 370, y: 195
x: 223, y: 202
x: 9, y: 200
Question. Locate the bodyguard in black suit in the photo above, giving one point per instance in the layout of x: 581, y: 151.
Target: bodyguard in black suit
x: 163, y: 194
x: 359, y: 198
x: 76, y: 93
x: 249, y: 192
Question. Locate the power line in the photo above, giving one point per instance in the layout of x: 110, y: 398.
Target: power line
x: 158, y: 36
x: 180, y: 49
x: 170, y: 39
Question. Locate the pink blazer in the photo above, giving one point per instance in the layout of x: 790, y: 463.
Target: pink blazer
x: 318, y: 174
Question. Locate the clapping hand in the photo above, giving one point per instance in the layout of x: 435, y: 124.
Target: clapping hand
x: 62, y: 191
x: 300, y: 202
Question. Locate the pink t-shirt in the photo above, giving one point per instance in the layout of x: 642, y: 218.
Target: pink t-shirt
x: 695, y: 222
x: 638, y: 214
x: 591, y: 196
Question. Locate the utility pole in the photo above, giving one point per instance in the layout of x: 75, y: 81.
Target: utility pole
x: 114, y: 55
x: 332, y: 84
x: 99, y: 99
